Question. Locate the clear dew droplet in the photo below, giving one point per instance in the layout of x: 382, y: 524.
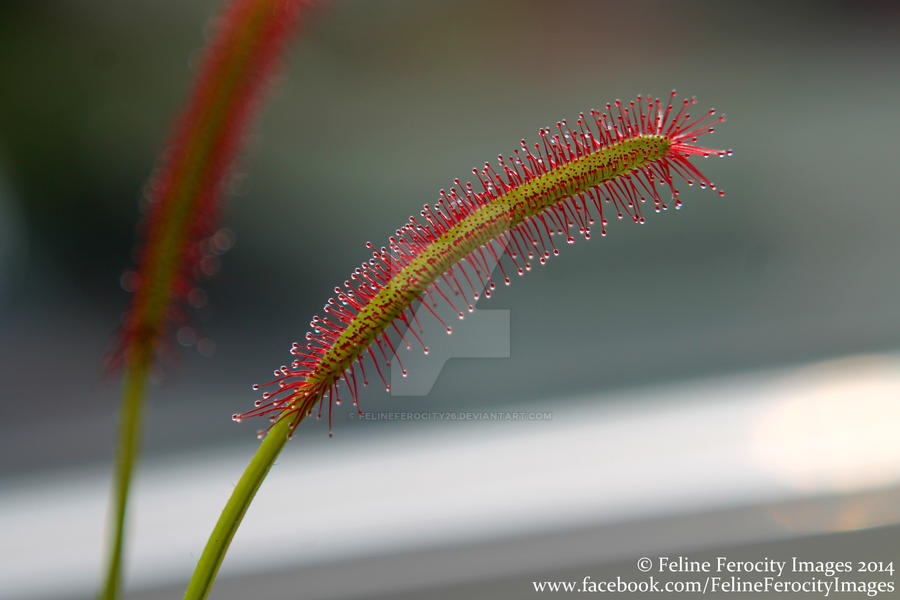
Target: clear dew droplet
x: 129, y: 281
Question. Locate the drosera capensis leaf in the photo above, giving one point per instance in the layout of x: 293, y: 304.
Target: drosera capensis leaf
x: 179, y: 230
x: 179, y: 237
x: 612, y: 161
x: 615, y: 159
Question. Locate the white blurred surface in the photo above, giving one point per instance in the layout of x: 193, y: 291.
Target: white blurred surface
x: 829, y: 428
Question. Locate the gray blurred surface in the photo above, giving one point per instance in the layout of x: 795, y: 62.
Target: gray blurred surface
x: 507, y: 568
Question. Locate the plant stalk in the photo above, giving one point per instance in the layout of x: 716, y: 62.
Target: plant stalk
x: 128, y: 444
x: 230, y: 519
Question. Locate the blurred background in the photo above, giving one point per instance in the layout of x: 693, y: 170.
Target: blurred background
x: 722, y: 379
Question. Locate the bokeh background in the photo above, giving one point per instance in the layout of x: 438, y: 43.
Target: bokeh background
x: 380, y: 105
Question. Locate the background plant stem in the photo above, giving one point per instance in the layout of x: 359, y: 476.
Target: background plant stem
x: 126, y: 454
x: 184, y: 202
x: 230, y: 519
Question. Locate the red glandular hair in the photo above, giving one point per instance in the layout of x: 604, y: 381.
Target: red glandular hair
x: 179, y: 242
x: 614, y: 159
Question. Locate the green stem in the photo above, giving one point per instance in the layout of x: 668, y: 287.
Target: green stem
x: 129, y: 440
x: 230, y: 519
